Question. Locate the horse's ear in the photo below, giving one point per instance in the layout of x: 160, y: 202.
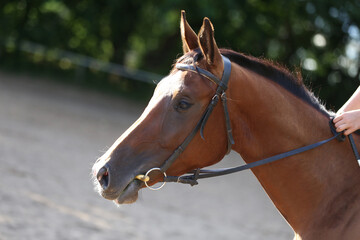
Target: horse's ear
x: 188, y: 36
x: 208, y: 45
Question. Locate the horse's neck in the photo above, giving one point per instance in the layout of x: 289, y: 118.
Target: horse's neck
x: 269, y: 120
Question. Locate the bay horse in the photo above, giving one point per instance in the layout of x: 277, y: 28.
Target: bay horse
x: 270, y: 111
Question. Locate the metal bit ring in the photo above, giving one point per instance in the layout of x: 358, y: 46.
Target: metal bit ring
x: 153, y: 188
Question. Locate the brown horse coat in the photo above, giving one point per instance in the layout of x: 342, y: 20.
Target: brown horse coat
x: 271, y: 112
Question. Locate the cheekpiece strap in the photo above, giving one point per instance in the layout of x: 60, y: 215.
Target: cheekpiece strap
x: 219, y: 95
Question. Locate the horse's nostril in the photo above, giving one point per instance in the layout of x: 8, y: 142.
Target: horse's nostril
x: 103, y: 177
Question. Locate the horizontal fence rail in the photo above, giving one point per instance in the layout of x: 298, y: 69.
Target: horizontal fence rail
x: 85, y: 61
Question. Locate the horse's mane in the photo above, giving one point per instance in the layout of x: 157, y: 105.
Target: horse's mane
x: 268, y: 69
x: 278, y: 74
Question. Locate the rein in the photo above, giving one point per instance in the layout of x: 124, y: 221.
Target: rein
x: 192, y: 177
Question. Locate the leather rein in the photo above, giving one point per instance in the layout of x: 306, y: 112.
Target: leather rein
x: 192, y: 177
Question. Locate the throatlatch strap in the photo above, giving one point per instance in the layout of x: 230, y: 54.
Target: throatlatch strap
x: 228, y: 124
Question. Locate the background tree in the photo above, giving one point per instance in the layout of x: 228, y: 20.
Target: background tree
x: 321, y: 38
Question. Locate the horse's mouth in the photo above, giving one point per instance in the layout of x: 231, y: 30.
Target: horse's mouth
x: 130, y: 193
x: 126, y: 196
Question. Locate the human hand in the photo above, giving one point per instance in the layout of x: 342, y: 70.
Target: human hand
x: 348, y: 122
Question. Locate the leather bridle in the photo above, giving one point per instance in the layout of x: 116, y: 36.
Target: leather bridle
x: 220, y: 94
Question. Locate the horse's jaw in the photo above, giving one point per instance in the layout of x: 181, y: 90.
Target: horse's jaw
x: 130, y: 193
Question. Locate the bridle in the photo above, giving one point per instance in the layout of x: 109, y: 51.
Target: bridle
x: 219, y: 94
x: 222, y: 85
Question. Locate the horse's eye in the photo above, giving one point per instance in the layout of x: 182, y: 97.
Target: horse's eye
x: 183, y: 105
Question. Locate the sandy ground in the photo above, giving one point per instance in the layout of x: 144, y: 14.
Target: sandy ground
x: 50, y: 135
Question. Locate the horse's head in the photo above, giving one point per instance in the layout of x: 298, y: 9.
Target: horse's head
x: 176, y: 107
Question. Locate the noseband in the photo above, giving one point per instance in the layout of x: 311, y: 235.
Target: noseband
x: 220, y: 95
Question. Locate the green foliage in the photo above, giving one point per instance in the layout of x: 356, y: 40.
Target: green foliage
x: 319, y: 37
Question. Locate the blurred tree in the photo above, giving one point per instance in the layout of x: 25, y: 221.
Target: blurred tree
x: 320, y: 37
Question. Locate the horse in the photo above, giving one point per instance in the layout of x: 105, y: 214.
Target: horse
x: 269, y: 111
